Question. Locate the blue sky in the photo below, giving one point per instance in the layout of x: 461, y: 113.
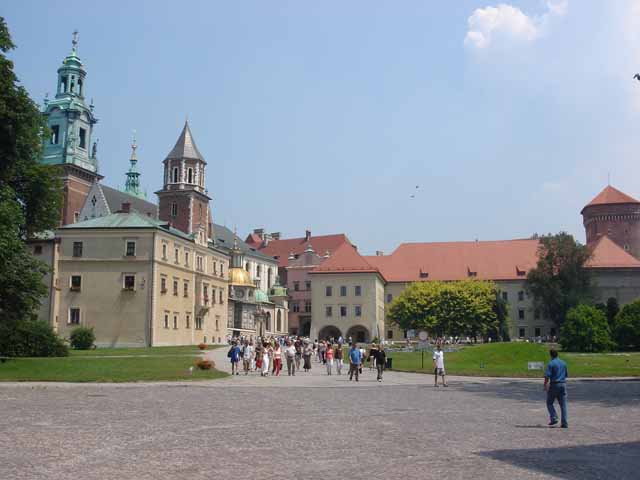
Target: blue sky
x: 326, y: 115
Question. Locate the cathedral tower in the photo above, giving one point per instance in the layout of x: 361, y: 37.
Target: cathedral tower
x: 68, y: 143
x: 616, y: 215
x: 183, y: 200
x: 132, y: 183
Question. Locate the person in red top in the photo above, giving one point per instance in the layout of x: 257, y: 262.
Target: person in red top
x: 277, y: 359
x: 329, y: 358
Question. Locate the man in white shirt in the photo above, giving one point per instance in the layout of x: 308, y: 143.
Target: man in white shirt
x: 290, y: 355
x: 247, y: 356
x: 438, y: 365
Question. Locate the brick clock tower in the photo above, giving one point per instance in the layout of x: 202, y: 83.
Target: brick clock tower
x: 183, y: 201
x: 68, y: 146
x: 616, y: 215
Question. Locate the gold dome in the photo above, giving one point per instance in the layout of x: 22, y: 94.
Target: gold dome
x: 240, y: 277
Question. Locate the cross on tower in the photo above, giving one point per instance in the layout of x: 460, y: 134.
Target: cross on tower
x: 74, y: 42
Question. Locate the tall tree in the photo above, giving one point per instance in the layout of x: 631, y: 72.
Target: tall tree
x: 560, y: 280
x: 30, y: 194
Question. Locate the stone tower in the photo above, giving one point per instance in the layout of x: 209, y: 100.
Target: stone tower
x: 183, y: 200
x: 132, y: 183
x: 616, y: 215
x: 68, y: 144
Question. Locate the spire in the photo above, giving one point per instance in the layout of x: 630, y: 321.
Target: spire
x: 132, y: 184
x: 237, y: 258
x: 185, y: 147
x: 74, y: 43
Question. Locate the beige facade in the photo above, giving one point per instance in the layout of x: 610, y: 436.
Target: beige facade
x: 347, y: 305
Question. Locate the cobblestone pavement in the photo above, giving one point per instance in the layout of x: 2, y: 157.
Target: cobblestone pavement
x: 316, y: 426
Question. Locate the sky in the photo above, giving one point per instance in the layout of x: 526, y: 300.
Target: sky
x: 501, y: 119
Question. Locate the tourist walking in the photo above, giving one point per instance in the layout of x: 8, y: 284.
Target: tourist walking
x: 265, y: 359
x: 338, y: 358
x: 373, y: 351
x: 234, y: 355
x: 380, y: 359
x: 329, y: 358
x: 438, y: 366
x: 259, y: 352
x: 307, y: 352
x: 277, y: 359
x: 290, y: 355
x: 298, y: 346
x: 555, y: 384
x: 355, y: 361
x: 247, y: 356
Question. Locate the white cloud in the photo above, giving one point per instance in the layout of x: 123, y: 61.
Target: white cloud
x: 507, y: 23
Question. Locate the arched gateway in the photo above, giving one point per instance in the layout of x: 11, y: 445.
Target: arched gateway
x: 359, y: 334
x: 329, y: 331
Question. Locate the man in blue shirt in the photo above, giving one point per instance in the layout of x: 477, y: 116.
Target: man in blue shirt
x: 355, y: 359
x: 555, y: 378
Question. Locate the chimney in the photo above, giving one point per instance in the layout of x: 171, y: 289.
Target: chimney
x: 379, y: 253
x: 259, y: 232
x: 126, y: 207
x: 307, y: 235
x: 275, y: 236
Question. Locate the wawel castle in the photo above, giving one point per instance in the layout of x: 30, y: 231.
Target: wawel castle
x: 142, y: 273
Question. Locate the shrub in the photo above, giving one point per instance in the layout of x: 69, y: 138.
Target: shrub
x: 585, y: 329
x: 82, y: 338
x: 30, y: 338
x: 202, y: 346
x: 626, y: 330
x: 205, y: 364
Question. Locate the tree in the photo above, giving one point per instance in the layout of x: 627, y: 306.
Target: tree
x: 453, y: 308
x: 612, y: 310
x: 626, y: 330
x: 585, y: 329
x: 560, y: 280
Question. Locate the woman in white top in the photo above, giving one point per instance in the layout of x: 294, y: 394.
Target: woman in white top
x: 265, y: 360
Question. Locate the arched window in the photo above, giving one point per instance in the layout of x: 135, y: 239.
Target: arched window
x: 175, y: 174
x: 279, y: 321
x: 258, y: 271
x: 190, y: 175
x: 246, y: 267
x: 269, y: 278
x: 80, y: 87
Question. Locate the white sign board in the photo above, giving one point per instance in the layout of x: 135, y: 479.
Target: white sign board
x: 535, y: 365
x: 411, y: 334
x: 423, y: 336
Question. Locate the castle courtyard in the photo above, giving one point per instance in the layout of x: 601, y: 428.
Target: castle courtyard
x: 316, y: 426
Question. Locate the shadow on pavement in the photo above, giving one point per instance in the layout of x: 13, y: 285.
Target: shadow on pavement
x: 605, y: 460
x: 609, y: 393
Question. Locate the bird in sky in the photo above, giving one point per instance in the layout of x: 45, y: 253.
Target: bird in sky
x: 413, y: 196
x: 637, y: 76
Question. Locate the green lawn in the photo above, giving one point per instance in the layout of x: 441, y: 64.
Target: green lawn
x: 510, y: 360
x: 162, y: 363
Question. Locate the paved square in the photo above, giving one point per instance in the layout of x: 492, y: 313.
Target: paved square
x: 317, y: 426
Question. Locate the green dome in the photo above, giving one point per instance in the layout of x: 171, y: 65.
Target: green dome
x: 261, y: 296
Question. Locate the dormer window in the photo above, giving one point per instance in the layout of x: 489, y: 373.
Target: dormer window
x: 424, y: 274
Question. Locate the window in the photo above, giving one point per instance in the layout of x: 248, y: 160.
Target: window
x: 389, y: 298
x: 205, y: 295
x: 221, y: 296
x: 175, y: 175
x: 175, y: 321
x: 296, y: 286
x: 83, y: 138
x: 187, y: 321
x: 74, y: 316
x: 163, y: 284
x: 77, y: 249
x: 307, y: 285
x: 328, y: 311
x: 258, y: 271
x: 76, y: 217
x: 218, y: 323
x: 269, y: 278
x: 358, y: 311
x: 185, y: 289
x: 520, y: 296
x: 199, y: 263
x: 389, y: 334
x: 520, y: 314
x: 198, y: 323
x: 55, y: 134
x: 129, y: 282
x: 626, y: 247
x: 76, y: 283
x: 536, y: 332
x: 164, y: 251
x: 307, y: 306
x: 222, y: 270
x: 186, y: 259
x: 175, y: 287
x: 295, y: 306
x: 174, y: 209
x: 343, y: 291
x: 177, y: 255
x: 215, y: 267
x: 358, y: 290
x: 166, y: 320
x: 328, y: 291
x: 131, y: 249
x: 190, y: 175
x: 505, y: 296
x: 37, y: 250
x: 247, y: 267
x: 343, y: 311
x: 522, y: 332
x: 536, y: 314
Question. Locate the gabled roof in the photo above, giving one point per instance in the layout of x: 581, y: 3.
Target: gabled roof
x: 185, y: 147
x: 320, y: 244
x: 610, y: 195
x: 345, y: 259
x: 115, y: 199
x: 224, y: 239
x: 607, y: 254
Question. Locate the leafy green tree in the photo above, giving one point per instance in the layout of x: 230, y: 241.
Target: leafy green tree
x: 612, y: 310
x: 585, y: 329
x: 560, y: 280
x: 626, y: 330
x: 452, y: 308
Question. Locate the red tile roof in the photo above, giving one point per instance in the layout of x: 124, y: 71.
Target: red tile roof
x: 320, y: 244
x: 607, y: 254
x: 254, y: 240
x: 345, y: 259
x: 610, y: 195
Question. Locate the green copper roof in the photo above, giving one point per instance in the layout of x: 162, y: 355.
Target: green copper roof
x: 262, y: 297
x: 132, y: 184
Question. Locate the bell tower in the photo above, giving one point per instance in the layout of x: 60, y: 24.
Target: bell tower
x: 68, y: 144
x: 183, y: 200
